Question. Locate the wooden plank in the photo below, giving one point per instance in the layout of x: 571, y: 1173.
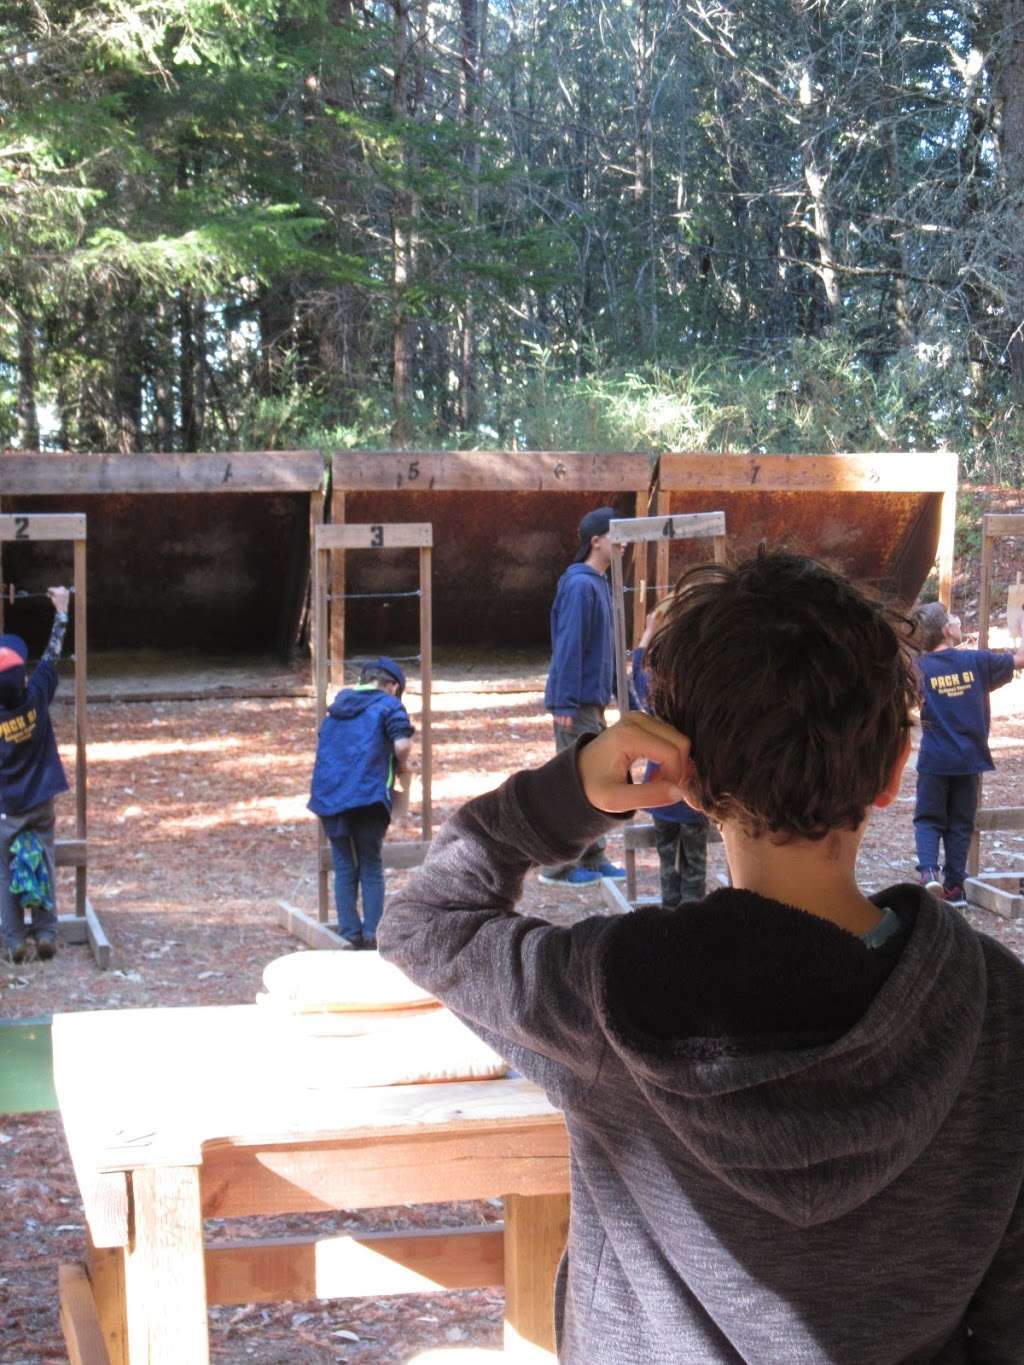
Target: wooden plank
x: 1000, y: 817
x: 947, y: 543
x: 1003, y: 524
x: 321, y: 662
x: 73, y: 928
x: 614, y: 898
x: 258, y: 471
x: 313, y: 933
x: 81, y: 722
x: 868, y: 472
x: 98, y: 941
x: 990, y: 896
x: 106, y: 1273
x: 489, y: 471
x: 401, y: 853
x: 426, y: 682
x: 536, y: 1230
x: 43, y: 526
x: 336, y: 611
x: 79, y: 1319
x: 681, y: 526
x: 638, y: 836
x: 165, y: 1271
x: 661, y: 552
x: 71, y: 852
x: 462, y: 1161
x: 275, y: 1270
x: 388, y: 535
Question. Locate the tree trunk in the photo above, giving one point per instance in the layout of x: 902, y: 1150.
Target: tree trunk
x: 473, y: 19
x: 1011, y: 95
x: 28, y: 416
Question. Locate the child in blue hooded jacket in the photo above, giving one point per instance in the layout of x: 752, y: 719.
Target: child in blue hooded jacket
x: 31, y: 775
x: 364, y: 742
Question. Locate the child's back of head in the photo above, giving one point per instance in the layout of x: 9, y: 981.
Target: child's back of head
x: 794, y: 688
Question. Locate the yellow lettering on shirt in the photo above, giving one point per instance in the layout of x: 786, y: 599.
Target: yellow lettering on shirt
x: 952, y: 684
x: 19, y: 728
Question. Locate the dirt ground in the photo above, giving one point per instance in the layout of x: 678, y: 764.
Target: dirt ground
x: 197, y: 826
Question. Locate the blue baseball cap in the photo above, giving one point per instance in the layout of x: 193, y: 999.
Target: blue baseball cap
x: 388, y: 666
x: 13, y: 652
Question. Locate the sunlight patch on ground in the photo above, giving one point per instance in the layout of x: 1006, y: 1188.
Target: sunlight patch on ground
x: 125, y: 750
x: 444, y: 704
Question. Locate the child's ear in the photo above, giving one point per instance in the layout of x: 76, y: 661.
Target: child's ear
x: 891, y: 789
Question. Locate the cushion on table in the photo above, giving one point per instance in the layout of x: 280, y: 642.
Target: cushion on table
x: 323, y: 980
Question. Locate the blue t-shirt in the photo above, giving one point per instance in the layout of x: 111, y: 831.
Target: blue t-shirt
x: 355, y: 751
x: 955, y: 712
x: 30, y: 768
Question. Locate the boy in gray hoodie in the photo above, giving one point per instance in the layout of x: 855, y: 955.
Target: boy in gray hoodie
x: 795, y: 1112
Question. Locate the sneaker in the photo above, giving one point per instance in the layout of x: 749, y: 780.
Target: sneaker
x: 370, y: 944
x: 351, y: 945
x: 46, y: 947
x: 576, y: 876
x: 930, y: 882
x: 617, y: 874
x: 21, y: 952
x: 954, y: 895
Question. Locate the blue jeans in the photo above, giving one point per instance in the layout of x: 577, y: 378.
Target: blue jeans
x: 945, y: 809
x: 358, y: 866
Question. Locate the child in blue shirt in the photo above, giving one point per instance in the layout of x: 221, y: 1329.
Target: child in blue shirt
x: 680, y: 832
x: 31, y: 775
x: 954, y: 749
x: 364, y: 742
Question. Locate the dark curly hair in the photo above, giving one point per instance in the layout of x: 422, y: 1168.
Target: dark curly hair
x: 794, y: 688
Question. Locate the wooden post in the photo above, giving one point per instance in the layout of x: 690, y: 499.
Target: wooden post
x: 321, y: 581
x: 640, y: 531
x: 106, y: 1274
x: 947, y: 537
x: 337, y: 590
x: 81, y: 734
x: 536, y: 1231
x: 165, y: 1270
x: 426, y: 682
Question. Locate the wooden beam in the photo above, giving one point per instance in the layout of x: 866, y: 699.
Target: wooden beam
x: 106, y: 1273
x: 313, y: 933
x: 73, y: 928
x: 889, y: 472
x: 263, y: 471
x: 427, y: 1167
x: 79, y: 1319
x: 681, y: 526
x: 1003, y: 524
x: 395, y: 535
x: 98, y: 941
x: 71, y: 852
x: 1000, y: 817
x: 43, y: 526
x: 275, y: 1270
x: 1002, y: 895
x: 399, y: 854
x: 426, y: 684
x: 488, y: 471
x: 614, y: 898
x: 536, y: 1230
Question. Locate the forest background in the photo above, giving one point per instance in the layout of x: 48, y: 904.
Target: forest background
x: 595, y: 224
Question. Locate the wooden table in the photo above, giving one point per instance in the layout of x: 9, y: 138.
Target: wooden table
x: 176, y: 1115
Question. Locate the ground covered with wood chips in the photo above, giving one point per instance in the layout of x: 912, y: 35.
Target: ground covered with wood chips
x: 197, y: 827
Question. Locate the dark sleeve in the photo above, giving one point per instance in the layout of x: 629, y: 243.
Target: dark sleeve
x: 43, y: 682
x: 525, y: 986
x: 397, y: 724
x: 640, y: 683
x: 1000, y: 668
x: 995, y: 1316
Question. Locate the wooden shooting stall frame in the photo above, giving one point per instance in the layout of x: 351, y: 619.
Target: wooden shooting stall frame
x: 331, y: 543
x: 83, y: 926
x: 514, y: 511
x: 1002, y: 893
x: 242, y: 552
x: 645, y: 531
x: 885, y: 518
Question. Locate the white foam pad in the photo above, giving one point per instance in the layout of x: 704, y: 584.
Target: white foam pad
x: 330, y: 981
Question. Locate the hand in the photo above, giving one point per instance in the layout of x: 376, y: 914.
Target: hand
x: 650, y: 626
x: 60, y: 597
x: 563, y: 722
x: 605, y: 762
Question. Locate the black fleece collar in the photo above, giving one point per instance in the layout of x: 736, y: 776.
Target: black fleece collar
x: 737, y: 972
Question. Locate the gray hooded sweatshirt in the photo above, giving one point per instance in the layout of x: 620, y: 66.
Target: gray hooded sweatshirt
x: 786, y: 1147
